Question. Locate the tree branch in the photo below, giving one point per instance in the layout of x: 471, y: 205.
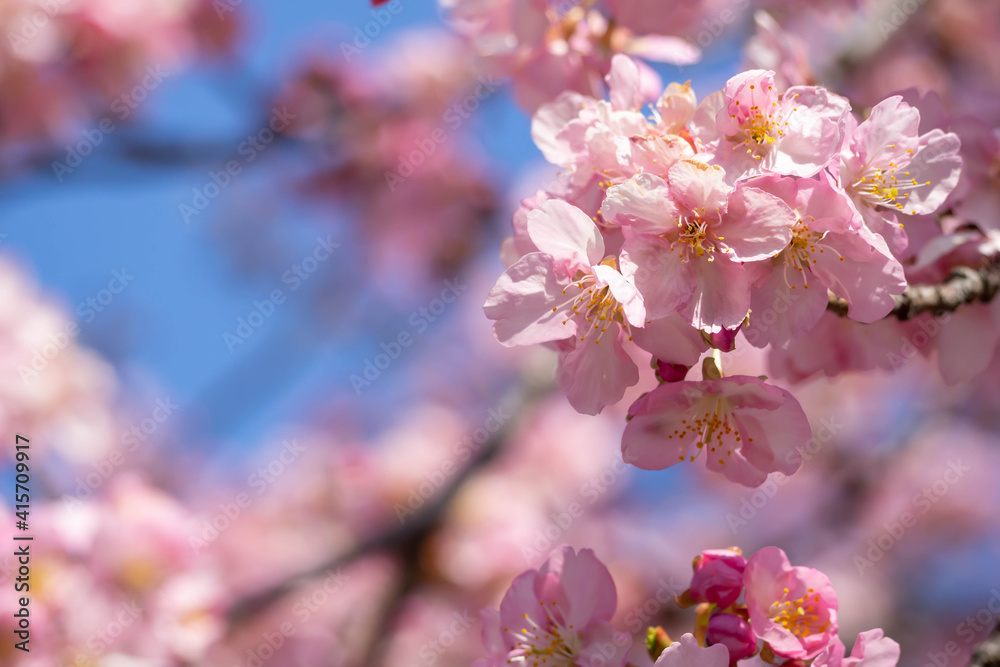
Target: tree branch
x: 964, y: 285
x: 406, y: 537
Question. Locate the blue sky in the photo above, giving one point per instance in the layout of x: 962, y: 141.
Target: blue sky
x: 168, y: 324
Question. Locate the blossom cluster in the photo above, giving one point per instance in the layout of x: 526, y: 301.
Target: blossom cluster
x: 750, y: 612
x: 70, y: 61
x: 548, y: 46
x: 674, y: 231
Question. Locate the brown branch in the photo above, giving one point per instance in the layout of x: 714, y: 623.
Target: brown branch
x: 964, y: 285
x: 987, y: 654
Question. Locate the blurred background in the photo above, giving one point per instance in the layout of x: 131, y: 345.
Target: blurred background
x: 244, y: 248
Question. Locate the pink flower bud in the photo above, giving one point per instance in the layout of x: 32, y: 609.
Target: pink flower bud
x: 718, y: 577
x: 732, y: 632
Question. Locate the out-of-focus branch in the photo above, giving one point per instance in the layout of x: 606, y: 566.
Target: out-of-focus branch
x: 987, y: 654
x: 964, y: 285
x: 407, y: 537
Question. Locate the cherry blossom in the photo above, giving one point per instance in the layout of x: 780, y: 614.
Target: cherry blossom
x: 740, y: 426
x: 887, y: 167
x: 686, y: 240
x: 548, y: 47
x: 826, y: 252
x: 570, y: 291
x: 752, y: 128
x: 559, y: 614
x: 794, y: 609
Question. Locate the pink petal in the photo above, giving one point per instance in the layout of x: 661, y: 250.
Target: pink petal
x: 643, y: 203
x: 873, y: 649
x: 665, y: 283
x: 589, y: 587
x: 664, y: 49
x: 568, y: 234
x: 697, y: 186
x: 522, y: 303
x: 596, y: 374
x: 756, y: 226
x: 624, y: 292
x: 938, y: 163
x: 624, y: 84
x: 672, y: 340
x: 549, y: 124
x: 646, y: 442
x: 721, y: 297
x: 688, y: 653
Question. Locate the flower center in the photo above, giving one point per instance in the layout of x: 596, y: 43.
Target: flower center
x: 595, y: 309
x: 712, y: 420
x: 762, y: 123
x: 695, y: 239
x: 545, y: 643
x: 883, y: 187
x: 798, y: 256
x: 800, y: 616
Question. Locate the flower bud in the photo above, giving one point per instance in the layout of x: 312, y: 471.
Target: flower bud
x: 718, y: 577
x: 734, y: 633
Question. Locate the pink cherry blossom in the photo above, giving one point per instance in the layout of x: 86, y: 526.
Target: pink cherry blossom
x: 825, y: 253
x: 548, y: 49
x: 872, y: 649
x: 718, y: 577
x: 560, y: 613
x: 600, y: 143
x: 686, y: 239
x: 745, y: 428
x: 751, y: 128
x: 571, y: 292
x: 793, y: 609
x: 689, y: 653
x: 887, y: 167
